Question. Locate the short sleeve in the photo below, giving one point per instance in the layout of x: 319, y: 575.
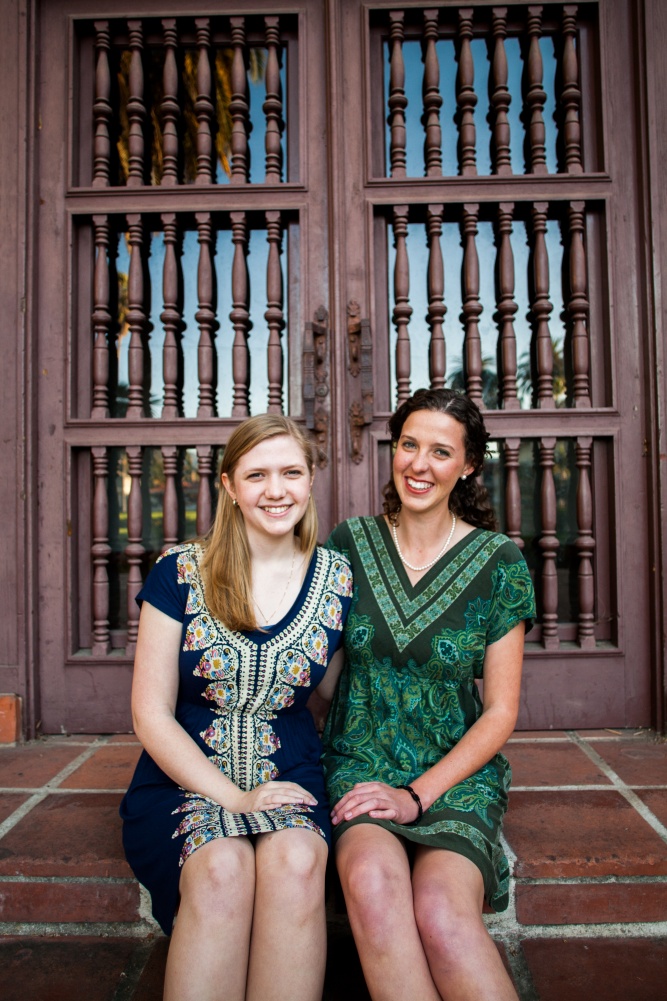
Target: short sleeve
x: 513, y: 596
x: 165, y: 587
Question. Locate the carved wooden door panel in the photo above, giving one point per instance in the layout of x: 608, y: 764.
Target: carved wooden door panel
x: 183, y: 285
x: 485, y: 240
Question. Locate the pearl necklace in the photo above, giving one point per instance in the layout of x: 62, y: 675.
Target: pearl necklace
x: 427, y: 566
x: 268, y: 618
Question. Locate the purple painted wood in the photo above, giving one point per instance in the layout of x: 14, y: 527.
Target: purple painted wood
x: 585, y: 544
x: 541, y: 308
x: 273, y: 105
x: 535, y: 95
x: 170, y: 497
x: 170, y: 109
x: 274, y: 312
x: 398, y: 102
x: 512, y: 526
x: 431, y: 96
x: 436, y: 291
x: 171, y: 318
x: 100, y: 553
x: 471, y: 307
x: 102, y: 109
x: 136, y: 109
x: 134, y: 549
x: 571, y: 95
x: 500, y: 95
x: 466, y: 98
x: 136, y: 318
x: 402, y: 308
x: 578, y: 307
x: 205, y: 316
x: 101, y: 319
x: 238, y: 106
x: 204, y: 104
x: 506, y: 309
x: 549, y: 545
x: 240, y: 315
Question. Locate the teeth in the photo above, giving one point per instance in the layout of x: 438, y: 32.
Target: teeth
x: 277, y: 510
x: 417, y: 485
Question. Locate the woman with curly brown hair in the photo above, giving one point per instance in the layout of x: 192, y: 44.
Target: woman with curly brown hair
x: 412, y: 753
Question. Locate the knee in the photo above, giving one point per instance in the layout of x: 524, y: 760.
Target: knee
x: 297, y: 863
x: 447, y: 930
x: 218, y: 877
x: 372, y: 886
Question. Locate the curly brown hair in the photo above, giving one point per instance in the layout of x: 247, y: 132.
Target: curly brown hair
x: 469, y: 499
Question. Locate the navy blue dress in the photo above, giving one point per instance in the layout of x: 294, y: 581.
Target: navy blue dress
x: 242, y: 697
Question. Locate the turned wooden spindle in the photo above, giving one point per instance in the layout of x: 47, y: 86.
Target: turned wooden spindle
x: 578, y: 306
x: 206, y: 468
x: 500, y: 95
x: 204, y: 104
x: 170, y: 499
x: 506, y: 308
x: 136, y: 109
x: 100, y: 552
x: 402, y: 308
x: 273, y: 105
x: 549, y: 546
x: 238, y: 106
x: 172, y: 360
x: 274, y: 312
x: 466, y: 98
x: 570, y: 97
x: 102, y: 109
x: 101, y: 318
x: 535, y: 95
x: 240, y: 315
x: 541, y: 308
x: 513, y: 491
x: 431, y: 96
x: 169, y: 108
x: 205, y: 316
x: 585, y: 546
x: 436, y: 291
x: 397, y: 102
x: 136, y: 318
x: 471, y: 308
x: 134, y: 550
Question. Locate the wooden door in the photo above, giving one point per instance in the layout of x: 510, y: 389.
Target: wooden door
x: 486, y: 226
x: 317, y: 209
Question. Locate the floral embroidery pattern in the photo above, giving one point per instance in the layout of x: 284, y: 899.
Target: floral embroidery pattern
x: 249, y: 683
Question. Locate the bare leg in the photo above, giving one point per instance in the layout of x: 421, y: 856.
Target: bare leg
x: 375, y: 875
x: 208, y: 953
x: 288, y: 950
x: 448, y: 896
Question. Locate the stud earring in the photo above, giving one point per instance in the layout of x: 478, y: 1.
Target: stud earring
x: 464, y: 477
x: 234, y: 502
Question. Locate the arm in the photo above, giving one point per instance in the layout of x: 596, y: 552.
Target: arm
x: 154, y: 693
x: 320, y: 701
x: 502, y: 683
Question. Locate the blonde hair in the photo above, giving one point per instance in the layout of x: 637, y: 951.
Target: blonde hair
x: 225, y: 567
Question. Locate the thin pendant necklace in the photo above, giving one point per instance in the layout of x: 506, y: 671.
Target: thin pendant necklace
x: 427, y: 566
x: 268, y: 618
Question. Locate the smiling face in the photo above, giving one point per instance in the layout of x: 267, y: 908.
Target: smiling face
x: 429, y: 459
x: 271, y: 484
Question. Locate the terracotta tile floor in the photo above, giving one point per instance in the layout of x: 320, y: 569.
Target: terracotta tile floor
x: 586, y: 832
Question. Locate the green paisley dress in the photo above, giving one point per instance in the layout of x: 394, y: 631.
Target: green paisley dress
x: 408, y: 694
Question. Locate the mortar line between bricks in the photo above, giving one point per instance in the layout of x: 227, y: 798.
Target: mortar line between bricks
x: 65, y: 791
x: 77, y: 880
x: 627, y: 793
x: 41, y: 792
x: 53, y: 929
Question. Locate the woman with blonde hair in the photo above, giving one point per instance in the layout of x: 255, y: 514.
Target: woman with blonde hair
x: 226, y: 819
